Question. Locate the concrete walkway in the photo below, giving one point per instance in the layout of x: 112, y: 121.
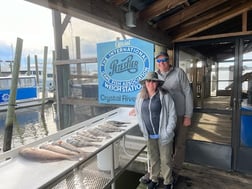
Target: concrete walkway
x: 201, y: 177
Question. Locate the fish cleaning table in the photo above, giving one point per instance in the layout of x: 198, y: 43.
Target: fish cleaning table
x: 89, y: 172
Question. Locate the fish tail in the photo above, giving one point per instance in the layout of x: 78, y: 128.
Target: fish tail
x: 74, y: 157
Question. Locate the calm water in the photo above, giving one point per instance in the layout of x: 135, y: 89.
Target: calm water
x: 29, y: 126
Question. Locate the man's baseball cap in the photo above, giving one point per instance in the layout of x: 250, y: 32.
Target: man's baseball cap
x: 163, y: 54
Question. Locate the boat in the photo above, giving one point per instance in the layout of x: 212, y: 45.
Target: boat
x: 27, y: 92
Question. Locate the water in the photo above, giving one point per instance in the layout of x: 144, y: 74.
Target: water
x: 28, y: 125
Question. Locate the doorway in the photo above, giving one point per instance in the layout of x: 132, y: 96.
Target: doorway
x: 219, y: 73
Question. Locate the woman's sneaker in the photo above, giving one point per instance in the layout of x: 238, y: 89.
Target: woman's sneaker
x: 175, y: 178
x: 169, y: 186
x: 145, y: 179
x: 152, y: 185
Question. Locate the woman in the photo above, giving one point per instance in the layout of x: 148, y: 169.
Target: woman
x: 156, y: 115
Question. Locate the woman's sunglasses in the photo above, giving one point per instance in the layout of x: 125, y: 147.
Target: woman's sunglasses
x: 148, y: 80
x: 162, y: 60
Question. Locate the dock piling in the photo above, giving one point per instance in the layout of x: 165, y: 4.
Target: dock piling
x: 12, y: 98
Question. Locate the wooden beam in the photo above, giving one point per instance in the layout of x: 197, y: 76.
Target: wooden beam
x: 159, y: 7
x: 106, y: 15
x: 84, y: 76
x: 205, y: 18
x: 87, y: 101
x: 119, y: 2
x: 65, y: 23
x: 214, y: 21
x: 244, y: 21
x: 76, y: 61
x: 214, y: 36
x: 188, y: 13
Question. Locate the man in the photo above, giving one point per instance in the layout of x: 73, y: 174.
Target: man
x: 176, y: 82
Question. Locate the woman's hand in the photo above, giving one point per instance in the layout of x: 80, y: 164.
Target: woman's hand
x: 132, y: 112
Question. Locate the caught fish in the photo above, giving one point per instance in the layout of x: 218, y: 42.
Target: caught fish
x: 69, y: 146
x: 80, y: 143
x: 82, y: 138
x: 87, y: 138
x: 87, y: 134
x: 109, y: 128
x: 117, y: 123
x: 43, y: 154
x: 58, y: 149
x: 98, y: 132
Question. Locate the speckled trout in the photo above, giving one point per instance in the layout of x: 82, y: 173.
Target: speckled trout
x: 87, y: 134
x: 117, y: 123
x: 86, y: 138
x: 98, y: 132
x: 109, y: 128
x: 78, y: 142
x: 68, y: 146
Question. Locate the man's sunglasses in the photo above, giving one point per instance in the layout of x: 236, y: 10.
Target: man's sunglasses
x: 162, y: 60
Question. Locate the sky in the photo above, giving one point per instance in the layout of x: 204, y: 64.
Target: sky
x: 33, y: 24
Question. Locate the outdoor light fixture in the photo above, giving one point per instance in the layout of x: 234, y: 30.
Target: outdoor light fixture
x: 130, y: 17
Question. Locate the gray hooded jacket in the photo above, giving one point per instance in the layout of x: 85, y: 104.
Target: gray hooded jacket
x: 176, y: 82
x: 167, y: 121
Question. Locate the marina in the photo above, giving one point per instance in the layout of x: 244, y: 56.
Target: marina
x: 70, y: 128
x: 28, y: 125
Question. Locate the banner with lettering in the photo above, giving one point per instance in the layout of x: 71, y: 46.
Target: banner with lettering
x: 121, y: 64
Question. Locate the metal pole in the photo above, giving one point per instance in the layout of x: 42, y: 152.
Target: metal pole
x: 112, y: 165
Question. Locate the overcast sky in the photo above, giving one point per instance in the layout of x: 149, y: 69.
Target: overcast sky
x: 33, y: 24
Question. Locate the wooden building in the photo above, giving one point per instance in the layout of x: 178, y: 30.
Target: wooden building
x: 209, y: 39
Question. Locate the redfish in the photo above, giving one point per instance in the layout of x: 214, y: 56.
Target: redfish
x: 43, y: 154
x: 58, y: 149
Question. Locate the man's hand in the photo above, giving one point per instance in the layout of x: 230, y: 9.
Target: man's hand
x: 187, y: 121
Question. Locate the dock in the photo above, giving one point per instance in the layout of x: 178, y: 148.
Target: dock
x: 200, y: 177
x: 26, y: 103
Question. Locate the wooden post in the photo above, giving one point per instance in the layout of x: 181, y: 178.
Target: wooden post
x: 54, y: 73
x: 44, y: 81
x: 37, y: 70
x: 64, y: 111
x: 78, y: 56
x: 0, y: 68
x: 12, y: 98
x: 28, y: 65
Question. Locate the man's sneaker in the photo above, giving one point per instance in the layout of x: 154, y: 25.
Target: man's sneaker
x: 175, y: 178
x: 168, y: 186
x: 145, y: 179
x: 152, y: 185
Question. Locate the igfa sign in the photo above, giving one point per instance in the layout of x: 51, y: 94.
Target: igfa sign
x: 121, y: 64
